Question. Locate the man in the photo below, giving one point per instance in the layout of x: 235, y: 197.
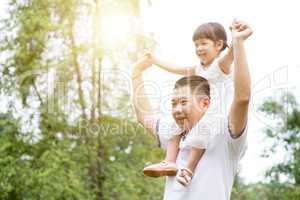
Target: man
x: 214, y: 174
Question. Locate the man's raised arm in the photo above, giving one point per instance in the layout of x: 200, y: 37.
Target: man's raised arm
x: 242, y: 85
x: 145, y: 114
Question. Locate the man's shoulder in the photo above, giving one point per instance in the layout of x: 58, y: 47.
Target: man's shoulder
x: 218, y: 123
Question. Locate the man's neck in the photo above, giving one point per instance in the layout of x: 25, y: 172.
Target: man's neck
x: 192, y: 124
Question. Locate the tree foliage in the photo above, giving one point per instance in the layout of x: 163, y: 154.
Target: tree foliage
x: 53, y: 76
x: 282, y: 179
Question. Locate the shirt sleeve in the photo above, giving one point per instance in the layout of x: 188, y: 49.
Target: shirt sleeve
x: 237, y: 145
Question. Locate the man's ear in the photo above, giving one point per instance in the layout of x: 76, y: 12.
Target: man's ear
x: 206, y: 102
x: 203, y: 103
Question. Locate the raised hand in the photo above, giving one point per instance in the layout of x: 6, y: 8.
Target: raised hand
x: 143, y: 63
x: 240, y: 30
x: 150, y: 56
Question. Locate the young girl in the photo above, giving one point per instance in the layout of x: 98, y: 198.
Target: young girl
x: 210, y: 40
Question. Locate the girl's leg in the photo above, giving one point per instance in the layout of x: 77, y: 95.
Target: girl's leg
x: 195, y: 156
x: 173, y: 149
x: 168, y: 166
x: 186, y: 174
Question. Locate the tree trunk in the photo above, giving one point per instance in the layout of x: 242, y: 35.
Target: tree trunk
x: 77, y: 71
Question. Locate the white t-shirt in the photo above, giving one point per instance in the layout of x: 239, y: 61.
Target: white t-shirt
x: 221, y: 87
x: 221, y: 95
x: 214, y: 174
x: 213, y: 73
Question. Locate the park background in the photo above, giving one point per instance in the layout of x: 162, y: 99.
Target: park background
x: 67, y: 127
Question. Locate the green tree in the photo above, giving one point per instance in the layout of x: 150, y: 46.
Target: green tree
x: 283, y: 178
x: 285, y: 133
x: 42, y: 170
x: 242, y: 191
x: 55, y: 76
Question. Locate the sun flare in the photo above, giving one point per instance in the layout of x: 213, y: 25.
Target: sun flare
x: 115, y: 29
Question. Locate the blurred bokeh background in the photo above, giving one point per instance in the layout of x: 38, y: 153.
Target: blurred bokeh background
x: 67, y: 127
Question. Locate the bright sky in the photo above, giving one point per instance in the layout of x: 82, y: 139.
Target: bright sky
x: 272, y: 52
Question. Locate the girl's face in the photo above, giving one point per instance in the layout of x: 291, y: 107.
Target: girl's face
x: 207, y: 50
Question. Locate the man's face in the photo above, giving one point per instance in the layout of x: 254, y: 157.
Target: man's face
x: 207, y: 50
x: 187, y: 108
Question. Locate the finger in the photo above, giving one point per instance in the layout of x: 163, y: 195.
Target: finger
x: 237, y: 27
x: 246, y: 27
x: 244, y: 24
x: 186, y: 179
x: 181, y: 174
x: 248, y: 32
x: 234, y: 21
x: 243, y: 27
x: 144, y: 52
x: 147, y: 55
x: 233, y: 28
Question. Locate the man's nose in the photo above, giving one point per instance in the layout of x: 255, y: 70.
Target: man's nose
x: 177, y: 109
x: 199, y: 48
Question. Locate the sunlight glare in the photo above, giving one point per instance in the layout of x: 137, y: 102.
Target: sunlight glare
x: 115, y: 29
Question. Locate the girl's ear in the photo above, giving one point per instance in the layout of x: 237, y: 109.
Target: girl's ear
x: 220, y: 44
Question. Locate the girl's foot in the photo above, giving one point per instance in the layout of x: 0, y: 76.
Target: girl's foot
x: 163, y: 168
x: 185, y: 176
